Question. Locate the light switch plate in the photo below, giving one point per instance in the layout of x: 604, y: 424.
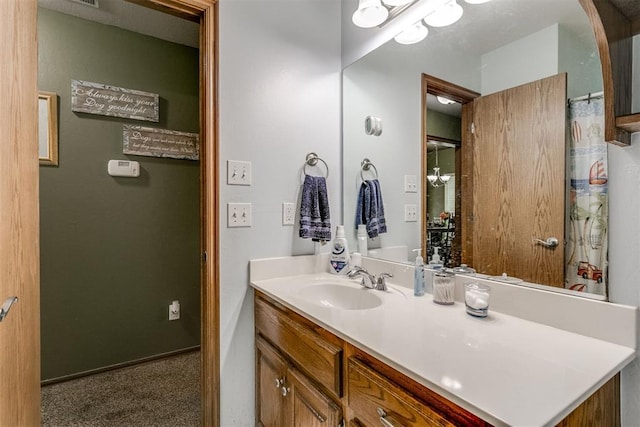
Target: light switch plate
x: 410, y: 184
x: 238, y: 215
x: 410, y: 213
x: 238, y: 172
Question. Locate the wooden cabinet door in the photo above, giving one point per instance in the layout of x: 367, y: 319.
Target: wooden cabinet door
x: 270, y: 376
x: 519, y: 181
x: 307, y: 406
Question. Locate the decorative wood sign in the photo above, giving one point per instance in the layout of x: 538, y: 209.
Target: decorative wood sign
x: 96, y: 98
x: 153, y: 142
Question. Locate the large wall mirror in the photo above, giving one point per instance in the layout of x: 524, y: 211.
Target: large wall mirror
x: 497, y: 50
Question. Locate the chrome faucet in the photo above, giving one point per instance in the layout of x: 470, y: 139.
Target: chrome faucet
x: 369, y: 280
x: 381, y: 283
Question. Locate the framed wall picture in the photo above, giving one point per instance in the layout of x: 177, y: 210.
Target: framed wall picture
x: 48, y: 128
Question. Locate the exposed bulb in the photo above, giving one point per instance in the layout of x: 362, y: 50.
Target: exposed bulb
x: 445, y: 15
x: 369, y: 13
x: 413, y: 34
x: 398, y: 2
x: 445, y: 101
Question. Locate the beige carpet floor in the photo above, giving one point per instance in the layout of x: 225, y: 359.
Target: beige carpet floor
x: 165, y: 392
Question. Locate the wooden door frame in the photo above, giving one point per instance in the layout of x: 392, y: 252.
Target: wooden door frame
x: 206, y: 13
x: 464, y: 162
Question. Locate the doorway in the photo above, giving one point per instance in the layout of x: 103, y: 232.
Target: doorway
x: 206, y: 243
x: 456, y: 235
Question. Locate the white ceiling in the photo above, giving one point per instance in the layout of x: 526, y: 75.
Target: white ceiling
x: 129, y: 16
x: 488, y: 26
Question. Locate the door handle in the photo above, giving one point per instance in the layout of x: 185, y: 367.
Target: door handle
x: 4, y: 310
x: 551, y: 242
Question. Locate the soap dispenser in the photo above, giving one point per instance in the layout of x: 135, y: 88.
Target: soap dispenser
x: 435, y: 262
x: 339, y: 258
x: 362, y: 240
x: 418, y: 275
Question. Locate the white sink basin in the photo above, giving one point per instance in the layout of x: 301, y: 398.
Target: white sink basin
x: 332, y: 295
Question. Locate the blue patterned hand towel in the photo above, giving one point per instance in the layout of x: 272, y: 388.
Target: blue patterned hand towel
x: 370, y: 208
x: 315, y: 221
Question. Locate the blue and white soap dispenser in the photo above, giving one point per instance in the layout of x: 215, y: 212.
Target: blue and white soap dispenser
x: 418, y: 275
x: 339, y: 258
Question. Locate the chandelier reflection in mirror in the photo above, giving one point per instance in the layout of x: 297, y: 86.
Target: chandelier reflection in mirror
x: 439, y: 13
x: 435, y: 179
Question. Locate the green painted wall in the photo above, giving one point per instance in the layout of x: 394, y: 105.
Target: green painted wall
x: 443, y: 125
x: 116, y: 251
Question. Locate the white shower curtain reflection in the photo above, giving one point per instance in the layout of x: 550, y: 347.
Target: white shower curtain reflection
x: 587, y: 242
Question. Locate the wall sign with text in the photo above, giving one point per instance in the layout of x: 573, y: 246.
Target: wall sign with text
x: 145, y: 141
x: 96, y: 98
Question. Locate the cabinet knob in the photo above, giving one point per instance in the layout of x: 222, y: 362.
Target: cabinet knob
x: 383, y: 418
x: 279, y: 382
x: 285, y: 391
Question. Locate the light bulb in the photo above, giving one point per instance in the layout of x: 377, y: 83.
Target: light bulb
x: 369, y: 13
x: 445, y: 15
x: 413, y: 34
x: 399, y: 2
x: 445, y: 101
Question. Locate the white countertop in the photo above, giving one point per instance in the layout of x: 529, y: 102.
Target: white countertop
x: 504, y: 369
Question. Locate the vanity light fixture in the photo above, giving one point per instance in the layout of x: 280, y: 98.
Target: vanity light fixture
x: 369, y: 13
x: 445, y: 101
x: 435, y: 179
x: 413, y: 34
x: 445, y: 15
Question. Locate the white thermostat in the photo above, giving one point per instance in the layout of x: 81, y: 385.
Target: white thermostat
x: 123, y: 168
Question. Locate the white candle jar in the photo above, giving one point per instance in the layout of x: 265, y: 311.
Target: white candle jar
x: 476, y: 299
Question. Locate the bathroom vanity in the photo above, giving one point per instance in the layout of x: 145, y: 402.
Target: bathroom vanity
x: 328, y: 350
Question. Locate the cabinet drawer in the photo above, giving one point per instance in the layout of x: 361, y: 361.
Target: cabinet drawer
x: 369, y: 393
x: 313, y: 355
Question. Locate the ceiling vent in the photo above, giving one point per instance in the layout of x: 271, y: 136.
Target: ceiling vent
x: 92, y: 3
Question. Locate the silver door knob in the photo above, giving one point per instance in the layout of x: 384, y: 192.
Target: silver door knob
x: 4, y: 310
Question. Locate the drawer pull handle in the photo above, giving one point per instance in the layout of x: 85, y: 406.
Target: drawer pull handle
x: 279, y: 382
x: 383, y: 418
x: 285, y: 391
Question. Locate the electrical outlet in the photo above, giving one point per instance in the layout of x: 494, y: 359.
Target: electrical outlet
x: 288, y: 213
x: 410, y: 184
x: 238, y: 214
x: 410, y: 213
x: 238, y: 172
x: 174, y: 310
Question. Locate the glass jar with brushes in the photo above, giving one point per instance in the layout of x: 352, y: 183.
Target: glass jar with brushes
x: 444, y: 287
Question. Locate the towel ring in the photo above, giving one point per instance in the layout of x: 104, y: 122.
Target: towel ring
x: 366, y: 165
x: 312, y: 160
